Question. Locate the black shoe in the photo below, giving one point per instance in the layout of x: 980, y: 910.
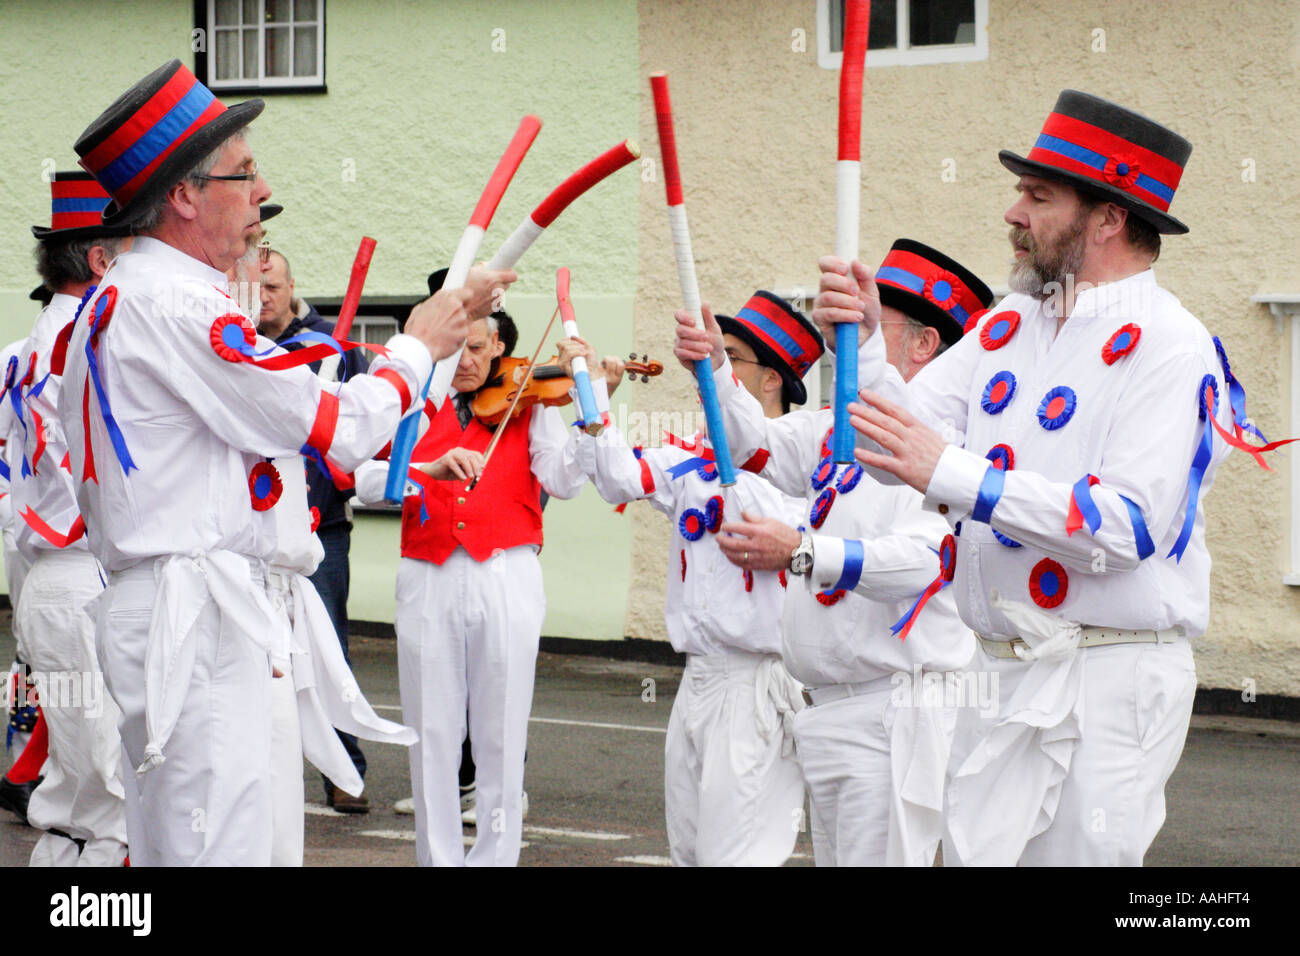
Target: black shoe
x: 14, y: 796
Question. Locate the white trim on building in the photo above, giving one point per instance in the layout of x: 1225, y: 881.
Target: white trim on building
x: 903, y: 53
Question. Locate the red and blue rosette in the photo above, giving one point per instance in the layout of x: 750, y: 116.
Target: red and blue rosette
x: 849, y: 479
x: 998, y: 392
x: 1057, y: 407
x: 691, y: 524
x: 1048, y: 583
x: 1083, y: 510
x: 713, y: 514
x: 232, y: 337
x: 830, y: 598
x: 822, y: 507
x: 824, y: 472
x: 264, y: 486
x: 1124, y: 340
x: 1003, y: 458
x: 942, y: 289
x: 997, y: 331
x: 1122, y: 171
x: 947, y: 570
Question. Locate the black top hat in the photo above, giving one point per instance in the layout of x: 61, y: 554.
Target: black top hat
x: 270, y: 210
x: 926, y: 285
x: 1111, y: 152
x: 153, y: 134
x: 41, y: 294
x: 77, y: 203
x: 507, y: 331
x: 782, y: 338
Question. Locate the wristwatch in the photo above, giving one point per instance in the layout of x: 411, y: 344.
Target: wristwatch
x: 801, y: 559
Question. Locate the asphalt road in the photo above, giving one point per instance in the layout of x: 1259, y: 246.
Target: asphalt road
x: 595, y: 778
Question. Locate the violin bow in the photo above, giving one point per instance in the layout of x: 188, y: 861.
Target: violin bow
x: 848, y: 187
x: 443, y: 372
x: 519, y: 391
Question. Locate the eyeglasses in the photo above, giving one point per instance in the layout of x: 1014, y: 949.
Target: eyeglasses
x: 247, y: 177
x: 736, y: 358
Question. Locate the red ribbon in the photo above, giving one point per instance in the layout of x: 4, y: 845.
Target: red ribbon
x: 34, y: 521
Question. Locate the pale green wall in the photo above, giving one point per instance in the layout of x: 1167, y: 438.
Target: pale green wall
x: 419, y: 107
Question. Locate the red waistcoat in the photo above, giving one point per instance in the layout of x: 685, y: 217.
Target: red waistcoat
x: 503, y: 511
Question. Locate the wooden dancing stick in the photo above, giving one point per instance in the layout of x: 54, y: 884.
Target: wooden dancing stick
x: 439, y: 382
x: 848, y: 180
x: 686, y: 273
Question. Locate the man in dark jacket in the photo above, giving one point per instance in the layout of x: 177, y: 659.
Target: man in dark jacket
x: 282, y: 318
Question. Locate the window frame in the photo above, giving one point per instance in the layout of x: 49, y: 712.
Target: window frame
x: 205, y: 60
x: 904, y: 55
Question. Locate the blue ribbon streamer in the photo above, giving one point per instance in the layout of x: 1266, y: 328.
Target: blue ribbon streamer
x: 1200, y: 462
x: 990, y: 492
x: 1087, y: 507
x: 700, y: 465
x: 911, y: 612
x: 852, y: 572
x: 1236, y: 394
x: 16, y: 400
x: 105, y: 411
x: 1140, y: 534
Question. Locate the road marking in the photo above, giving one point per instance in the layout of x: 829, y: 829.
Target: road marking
x: 576, y: 834
x: 645, y: 860
x: 409, y: 836
x: 568, y: 723
x: 316, y: 809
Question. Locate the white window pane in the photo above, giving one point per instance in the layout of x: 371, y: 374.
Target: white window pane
x: 277, y: 51
x: 933, y: 22
x: 250, y: 54
x: 227, y: 53
x: 250, y: 12
x: 304, y: 10
x: 227, y: 13
x: 279, y: 11
x: 304, y: 51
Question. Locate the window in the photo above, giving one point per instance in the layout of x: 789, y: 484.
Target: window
x: 261, y: 45
x: 373, y: 329
x: 909, y: 32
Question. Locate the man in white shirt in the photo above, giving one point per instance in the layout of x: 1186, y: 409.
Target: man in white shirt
x: 1089, y: 403
x: 174, y: 410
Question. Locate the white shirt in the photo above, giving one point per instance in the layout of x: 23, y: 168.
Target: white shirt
x: 1135, y: 427
x: 48, y: 490
x: 10, y: 434
x: 712, y: 605
x: 850, y: 641
x: 196, y: 424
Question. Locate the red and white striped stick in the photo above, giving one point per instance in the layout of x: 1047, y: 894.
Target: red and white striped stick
x: 550, y: 208
x: 443, y: 372
x: 848, y: 178
x: 348, y: 311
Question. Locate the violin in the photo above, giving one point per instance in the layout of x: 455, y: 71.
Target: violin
x: 548, y: 385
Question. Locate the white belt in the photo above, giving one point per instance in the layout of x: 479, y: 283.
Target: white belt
x: 1092, y: 637
x: 817, y: 696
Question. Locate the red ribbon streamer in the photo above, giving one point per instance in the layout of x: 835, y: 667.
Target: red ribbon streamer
x: 35, y: 522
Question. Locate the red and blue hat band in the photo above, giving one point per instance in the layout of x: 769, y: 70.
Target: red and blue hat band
x: 76, y: 203
x: 910, y: 272
x: 1074, y: 146
x: 124, y: 161
x: 780, y: 332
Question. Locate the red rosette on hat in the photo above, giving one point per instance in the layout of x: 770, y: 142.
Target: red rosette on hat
x: 999, y: 328
x: 942, y: 289
x: 822, y: 507
x: 1048, y: 583
x: 1124, y: 340
x: 823, y: 474
x: 264, y: 486
x: 1122, y: 171
x: 228, y: 333
x: 713, y: 514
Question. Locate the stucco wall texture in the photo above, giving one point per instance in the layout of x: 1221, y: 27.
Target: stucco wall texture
x: 756, y: 124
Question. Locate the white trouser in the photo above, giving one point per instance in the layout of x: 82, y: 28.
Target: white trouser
x: 1136, y: 706
x: 467, y: 637
x: 81, y: 794
x: 873, y: 763
x: 209, y: 802
x: 730, y: 797
x: 288, y: 800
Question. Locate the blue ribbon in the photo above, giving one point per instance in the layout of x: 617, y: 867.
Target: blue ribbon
x: 16, y: 400
x: 911, y: 612
x: 852, y: 571
x: 1200, y: 462
x: 237, y: 342
x: 105, y: 411
x: 1140, y: 534
x: 990, y: 492
x: 1236, y: 394
x: 699, y: 465
x: 1087, y: 507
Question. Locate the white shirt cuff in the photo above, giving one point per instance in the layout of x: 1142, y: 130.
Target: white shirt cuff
x: 955, y: 484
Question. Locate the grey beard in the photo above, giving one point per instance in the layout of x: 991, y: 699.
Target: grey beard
x: 1043, y: 274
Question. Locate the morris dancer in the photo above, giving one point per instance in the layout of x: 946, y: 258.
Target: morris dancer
x: 173, y: 408
x: 80, y: 802
x: 470, y: 603
x: 733, y: 794
x: 872, y: 747
x: 1091, y: 398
